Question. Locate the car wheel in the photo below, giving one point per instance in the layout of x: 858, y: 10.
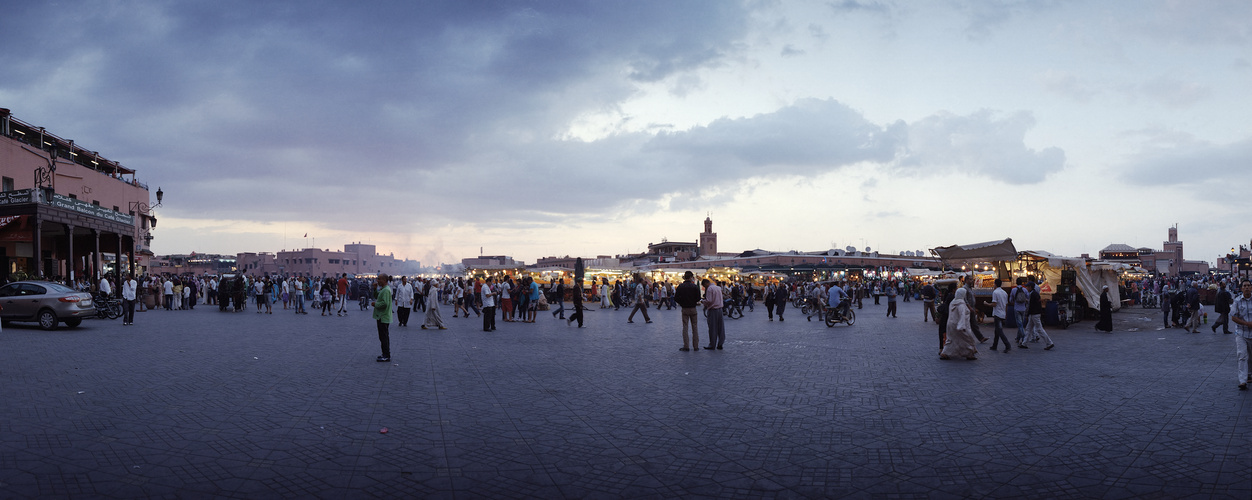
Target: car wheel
x: 73, y: 322
x: 47, y: 320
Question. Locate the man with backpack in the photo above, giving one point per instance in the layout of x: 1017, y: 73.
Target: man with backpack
x: 1222, y: 308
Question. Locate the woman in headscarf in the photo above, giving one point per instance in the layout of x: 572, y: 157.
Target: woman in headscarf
x: 1106, y: 312
x: 960, y: 341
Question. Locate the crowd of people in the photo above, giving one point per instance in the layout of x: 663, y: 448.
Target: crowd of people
x: 519, y: 300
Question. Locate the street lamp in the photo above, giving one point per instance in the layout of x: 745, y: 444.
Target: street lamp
x: 44, y: 177
x: 142, y: 209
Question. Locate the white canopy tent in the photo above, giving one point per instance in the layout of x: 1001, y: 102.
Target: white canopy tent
x: 1090, y: 279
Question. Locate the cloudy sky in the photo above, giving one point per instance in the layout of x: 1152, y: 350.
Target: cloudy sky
x: 434, y: 129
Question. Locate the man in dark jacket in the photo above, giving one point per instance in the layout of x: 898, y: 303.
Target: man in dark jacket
x: 577, y: 297
x: 687, y: 295
x: 1222, y: 308
x: 781, y: 295
x: 1193, y: 308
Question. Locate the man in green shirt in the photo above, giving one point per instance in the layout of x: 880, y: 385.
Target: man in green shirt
x: 382, y: 314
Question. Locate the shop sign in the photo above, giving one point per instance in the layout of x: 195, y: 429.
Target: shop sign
x: 97, y: 211
x: 17, y: 197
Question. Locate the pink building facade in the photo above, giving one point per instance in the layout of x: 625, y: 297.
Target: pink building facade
x: 67, y: 212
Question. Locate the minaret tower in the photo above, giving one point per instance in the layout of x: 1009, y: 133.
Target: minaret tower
x: 708, y: 239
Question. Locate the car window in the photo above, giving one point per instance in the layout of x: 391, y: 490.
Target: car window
x: 61, y: 288
x: 33, y: 289
x: 10, y: 290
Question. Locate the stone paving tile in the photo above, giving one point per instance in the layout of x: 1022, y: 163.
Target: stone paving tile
x: 201, y: 403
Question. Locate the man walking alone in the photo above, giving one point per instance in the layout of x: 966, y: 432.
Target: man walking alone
x: 641, y: 301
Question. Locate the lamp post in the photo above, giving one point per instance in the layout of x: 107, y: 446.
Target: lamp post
x: 142, y: 209
x: 45, y: 176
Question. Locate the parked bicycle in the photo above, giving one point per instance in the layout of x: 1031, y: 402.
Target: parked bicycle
x: 108, y: 307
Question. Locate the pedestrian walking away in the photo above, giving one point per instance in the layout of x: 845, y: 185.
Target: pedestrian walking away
x: 1222, y: 307
x: 999, y: 312
x: 577, y: 297
x: 713, y: 302
x: 891, y: 299
x: 781, y: 295
x: 341, y: 292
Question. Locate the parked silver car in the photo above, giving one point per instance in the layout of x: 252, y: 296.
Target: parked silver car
x: 44, y: 302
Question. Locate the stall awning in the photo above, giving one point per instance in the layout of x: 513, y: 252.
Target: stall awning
x: 978, y: 252
x: 1055, y: 260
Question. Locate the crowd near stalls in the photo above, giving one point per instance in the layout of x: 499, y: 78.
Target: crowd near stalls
x: 1070, y: 288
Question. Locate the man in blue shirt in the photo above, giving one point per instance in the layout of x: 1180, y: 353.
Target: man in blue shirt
x: 837, y: 300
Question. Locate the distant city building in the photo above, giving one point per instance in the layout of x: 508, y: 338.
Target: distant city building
x: 670, y: 251
x: 704, y: 255
x: 356, y: 258
x: 1167, y: 261
x: 491, y: 261
x: 193, y: 263
x: 601, y: 261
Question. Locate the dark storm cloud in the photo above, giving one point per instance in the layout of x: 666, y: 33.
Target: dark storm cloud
x: 260, y: 100
x: 445, y: 112
x: 809, y: 138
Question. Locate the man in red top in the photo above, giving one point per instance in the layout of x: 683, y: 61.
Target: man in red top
x: 343, y: 295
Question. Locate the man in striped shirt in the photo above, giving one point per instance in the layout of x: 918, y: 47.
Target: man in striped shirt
x: 1241, y: 314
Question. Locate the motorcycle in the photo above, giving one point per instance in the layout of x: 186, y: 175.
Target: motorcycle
x: 841, y: 314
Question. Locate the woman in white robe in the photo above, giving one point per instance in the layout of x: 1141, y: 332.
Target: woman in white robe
x: 433, y: 318
x: 960, y: 341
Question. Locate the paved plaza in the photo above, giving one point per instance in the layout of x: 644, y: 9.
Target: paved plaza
x: 244, y: 405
